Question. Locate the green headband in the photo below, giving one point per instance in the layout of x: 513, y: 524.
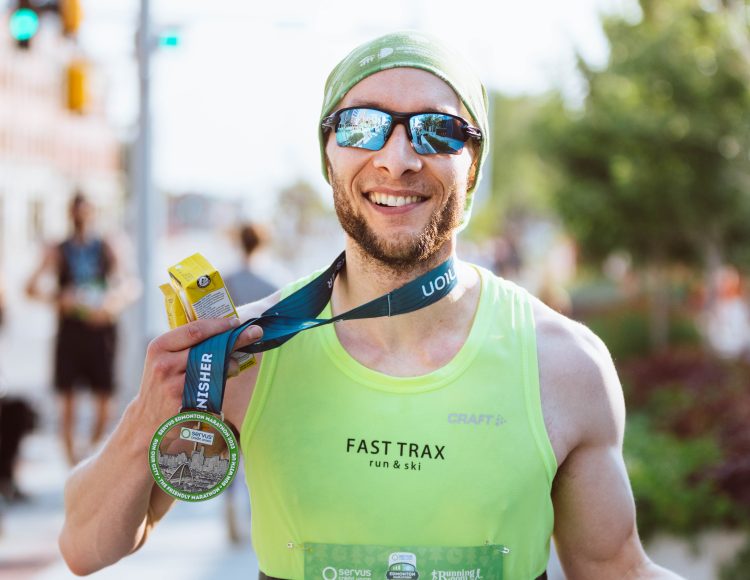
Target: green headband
x: 413, y: 50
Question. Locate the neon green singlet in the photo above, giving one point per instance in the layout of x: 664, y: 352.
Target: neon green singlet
x: 339, y: 454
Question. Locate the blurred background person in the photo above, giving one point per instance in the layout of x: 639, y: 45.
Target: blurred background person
x: 90, y: 292
x: 727, y: 320
x: 245, y: 284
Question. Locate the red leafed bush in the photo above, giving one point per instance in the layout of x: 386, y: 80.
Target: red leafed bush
x: 690, y: 394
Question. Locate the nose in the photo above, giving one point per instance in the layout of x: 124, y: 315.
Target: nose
x: 397, y: 156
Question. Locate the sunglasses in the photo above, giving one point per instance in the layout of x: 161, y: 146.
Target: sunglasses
x: 430, y: 133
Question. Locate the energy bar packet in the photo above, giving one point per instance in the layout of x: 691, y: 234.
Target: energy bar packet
x: 201, y: 292
x: 176, y: 314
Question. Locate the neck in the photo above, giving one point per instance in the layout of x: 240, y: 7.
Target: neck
x: 80, y: 234
x: 365, y: 279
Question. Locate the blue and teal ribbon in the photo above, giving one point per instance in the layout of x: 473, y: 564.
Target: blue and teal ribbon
x: 208, y: 361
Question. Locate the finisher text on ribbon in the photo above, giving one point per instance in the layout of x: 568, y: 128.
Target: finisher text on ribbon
x: 205, y: 380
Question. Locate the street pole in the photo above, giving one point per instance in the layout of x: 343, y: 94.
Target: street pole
x: 143, y: 183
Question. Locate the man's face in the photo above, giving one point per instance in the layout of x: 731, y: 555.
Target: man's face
x: 398, y: 206
x: 81, y: 214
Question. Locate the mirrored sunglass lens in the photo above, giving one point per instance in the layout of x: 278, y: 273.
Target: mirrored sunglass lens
x: 432, y: 133
x: 363, y: 128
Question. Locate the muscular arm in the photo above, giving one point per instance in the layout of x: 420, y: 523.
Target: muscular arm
x: 595, y: 522
x: 111, y: 502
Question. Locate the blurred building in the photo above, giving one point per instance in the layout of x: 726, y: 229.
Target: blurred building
x: 47, y: 150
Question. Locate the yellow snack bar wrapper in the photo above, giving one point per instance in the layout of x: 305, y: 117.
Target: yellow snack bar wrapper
x: 175, y: 311
x: 201, y: 291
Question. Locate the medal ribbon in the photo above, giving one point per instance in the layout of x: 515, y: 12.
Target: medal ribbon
x: 208, y: 361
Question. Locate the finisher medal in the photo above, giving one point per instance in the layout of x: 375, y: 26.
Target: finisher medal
x: 193, y: 456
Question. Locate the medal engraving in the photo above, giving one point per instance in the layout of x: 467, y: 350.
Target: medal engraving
x: 193, y: 456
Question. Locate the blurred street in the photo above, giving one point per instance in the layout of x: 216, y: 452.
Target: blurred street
x: 28, y: 544
x: 28, y: 530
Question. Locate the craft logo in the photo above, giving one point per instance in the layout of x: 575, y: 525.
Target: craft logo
x: 476, y: 419
x: 402, y: 566
x: 196, y: 436
x: 204, y: 281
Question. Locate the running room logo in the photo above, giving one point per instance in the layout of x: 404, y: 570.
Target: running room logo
x: 474, y: 574
x: 402, y: 566
x: 204, y: 281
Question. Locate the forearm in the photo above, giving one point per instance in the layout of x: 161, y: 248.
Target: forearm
x: 108, y: 497
x: 111, y: 501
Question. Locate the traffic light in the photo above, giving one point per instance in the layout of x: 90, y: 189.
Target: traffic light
x: 71, y: 15
x: 24, y: 23
x: 77, y: 80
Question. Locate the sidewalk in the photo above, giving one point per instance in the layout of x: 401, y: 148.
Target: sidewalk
x: 28, y: 532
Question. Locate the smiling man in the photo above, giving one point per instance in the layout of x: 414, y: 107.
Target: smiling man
x: 450, y: 442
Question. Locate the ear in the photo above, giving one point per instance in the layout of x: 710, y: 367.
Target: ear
x: 329, y: 171
x: 473, y: 172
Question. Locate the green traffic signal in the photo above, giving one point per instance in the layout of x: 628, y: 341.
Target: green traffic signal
x: 169, y: 39
x: 24, y: 23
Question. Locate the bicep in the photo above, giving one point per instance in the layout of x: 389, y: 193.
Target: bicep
x: 595, y: 524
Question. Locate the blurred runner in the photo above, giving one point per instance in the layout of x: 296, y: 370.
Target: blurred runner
x: 90, y: 293
x: 727, y: 322
x: 245, y: 285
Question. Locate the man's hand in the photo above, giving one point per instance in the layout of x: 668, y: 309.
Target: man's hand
x: 163, y: 379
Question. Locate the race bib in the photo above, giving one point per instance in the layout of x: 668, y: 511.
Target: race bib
x: 362, y: 562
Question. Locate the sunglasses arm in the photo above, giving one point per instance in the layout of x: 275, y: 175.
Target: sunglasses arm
x: 473, y: 133
x: 329, y: 122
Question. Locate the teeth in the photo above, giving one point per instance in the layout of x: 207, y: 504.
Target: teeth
x: 392, y: 200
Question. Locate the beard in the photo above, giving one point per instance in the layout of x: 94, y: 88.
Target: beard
x: 400, y: 253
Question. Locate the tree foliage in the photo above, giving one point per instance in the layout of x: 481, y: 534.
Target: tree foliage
x: 519, y: 180
x: 656, y: 162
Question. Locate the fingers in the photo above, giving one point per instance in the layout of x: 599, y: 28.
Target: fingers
x: 192, y: 333
x: 250, y: 335
x: 234, y: 368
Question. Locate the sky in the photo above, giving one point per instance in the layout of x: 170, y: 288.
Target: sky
x: 236, y: 104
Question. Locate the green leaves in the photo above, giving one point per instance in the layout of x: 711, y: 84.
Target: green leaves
x: 662, y: 471
x: 657, y: 162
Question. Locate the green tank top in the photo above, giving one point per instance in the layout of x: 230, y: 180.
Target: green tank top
x: 358, y: 474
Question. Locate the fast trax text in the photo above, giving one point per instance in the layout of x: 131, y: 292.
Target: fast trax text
x: 404, y: 450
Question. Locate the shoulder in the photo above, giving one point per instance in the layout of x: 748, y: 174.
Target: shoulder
x: 255, y: 309
x: 581, y: 394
